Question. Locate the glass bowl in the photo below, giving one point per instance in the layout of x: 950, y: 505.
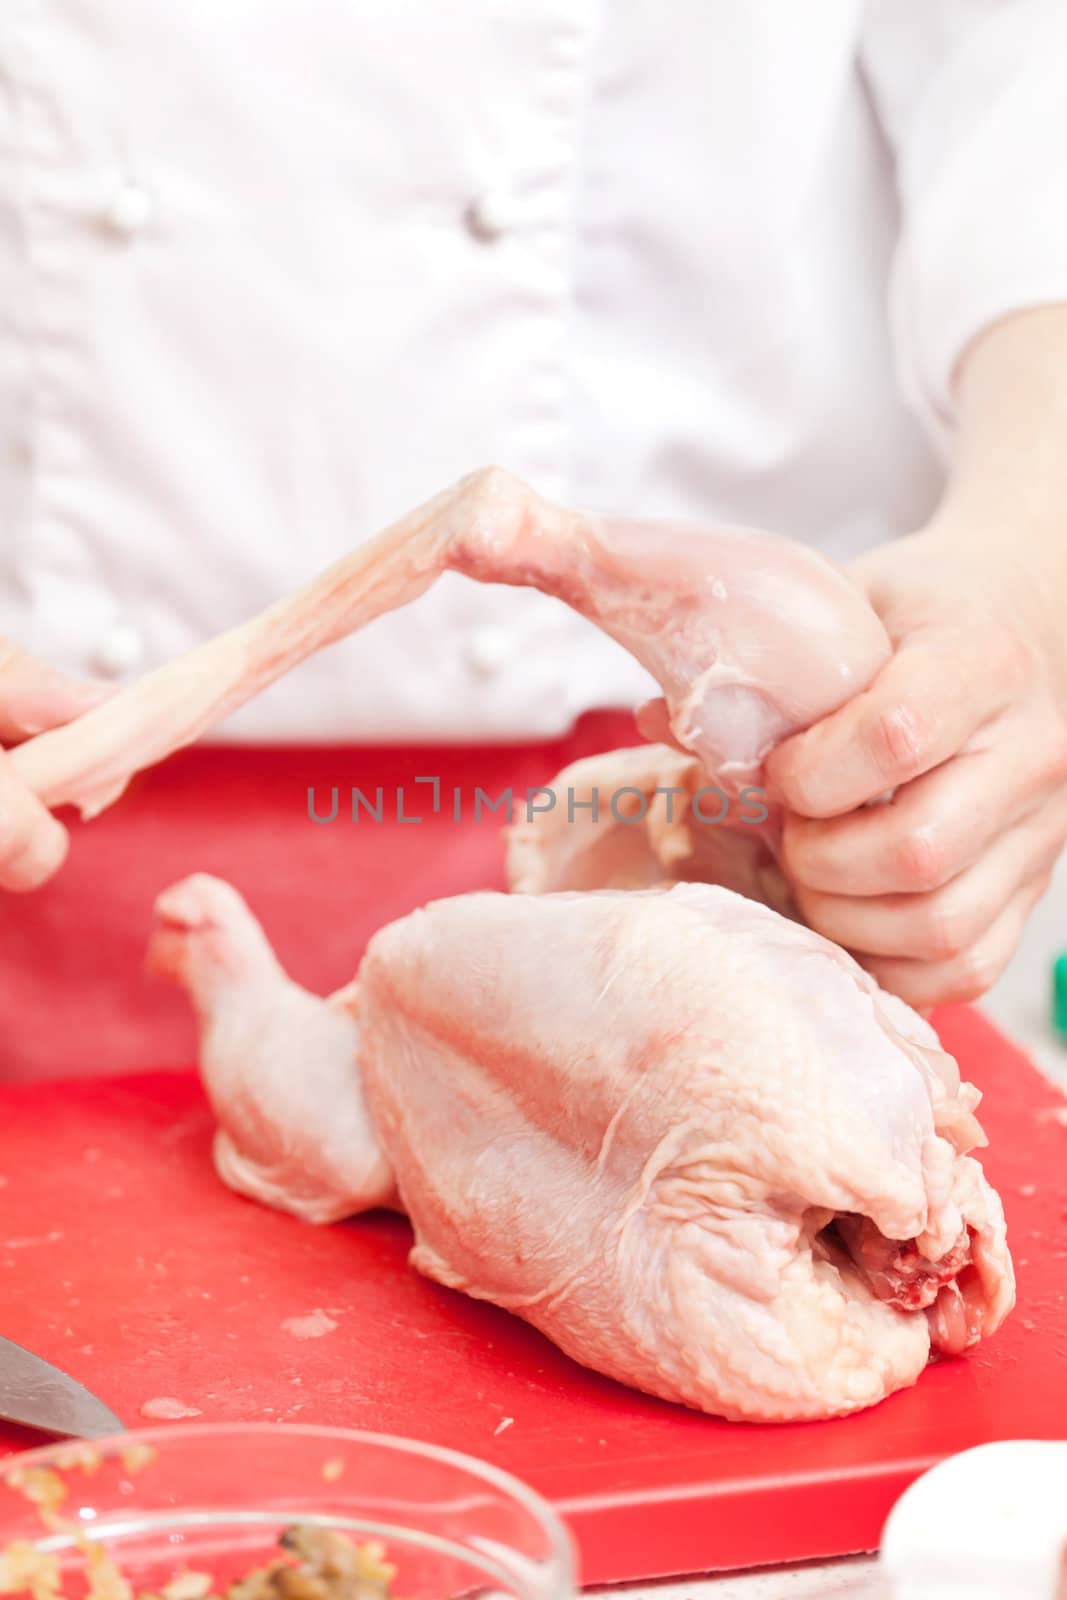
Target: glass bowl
x: 185, y: 1511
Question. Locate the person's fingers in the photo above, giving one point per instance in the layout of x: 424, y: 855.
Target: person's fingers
x: 653, y: 723
x: 967, y: 976
x: 935, y: 827
x: 939, y: 687
x: 941, y: 925
x: 33, y: 844
x: 35, y: 696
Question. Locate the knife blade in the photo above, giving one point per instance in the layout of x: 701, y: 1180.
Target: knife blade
x: 36, y: 1394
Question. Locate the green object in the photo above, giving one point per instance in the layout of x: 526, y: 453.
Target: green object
x: 1059, y: 995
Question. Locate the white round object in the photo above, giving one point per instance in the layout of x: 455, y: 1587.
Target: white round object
x: 489, y: 648
x: 990, y: 1521
x: 130, y: 209
x: 119, y: 651
x: 491, y: 214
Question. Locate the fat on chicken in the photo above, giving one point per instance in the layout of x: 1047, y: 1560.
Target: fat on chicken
x: 688, y: 1139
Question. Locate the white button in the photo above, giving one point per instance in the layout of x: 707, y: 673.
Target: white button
x: 130, y: 209
x: 121, y: 650
x: 489, y: 648
x: 491, y: 214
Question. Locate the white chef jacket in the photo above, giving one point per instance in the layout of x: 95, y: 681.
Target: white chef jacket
x: 271, y: 273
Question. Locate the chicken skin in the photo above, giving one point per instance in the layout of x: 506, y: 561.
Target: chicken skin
x: 688, y: 1139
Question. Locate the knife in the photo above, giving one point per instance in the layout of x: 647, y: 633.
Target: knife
x: 35, y: 1394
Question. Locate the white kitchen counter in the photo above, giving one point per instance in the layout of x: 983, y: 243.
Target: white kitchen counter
x: 1019, y: 1005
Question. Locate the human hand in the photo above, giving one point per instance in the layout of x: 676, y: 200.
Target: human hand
x: 966, y: 725
x: 33, y: 697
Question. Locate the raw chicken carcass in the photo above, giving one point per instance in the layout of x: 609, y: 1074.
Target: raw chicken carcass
x: 751, y: 637
x: 688, y: 1139
x: 747, y: 1189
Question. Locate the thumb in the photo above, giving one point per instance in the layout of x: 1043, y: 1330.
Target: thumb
x: 35, y: 696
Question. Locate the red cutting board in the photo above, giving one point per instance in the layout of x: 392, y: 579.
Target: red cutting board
x: 125, y: 1261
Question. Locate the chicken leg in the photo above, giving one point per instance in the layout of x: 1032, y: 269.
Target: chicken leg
x: 269, y: 1051
x: 751, y: 637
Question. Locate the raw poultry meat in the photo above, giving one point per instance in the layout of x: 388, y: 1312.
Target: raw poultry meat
x: 630, y: 819
x: 751, y: 637
x: 685, y: 1137
x: 688, y: 1139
